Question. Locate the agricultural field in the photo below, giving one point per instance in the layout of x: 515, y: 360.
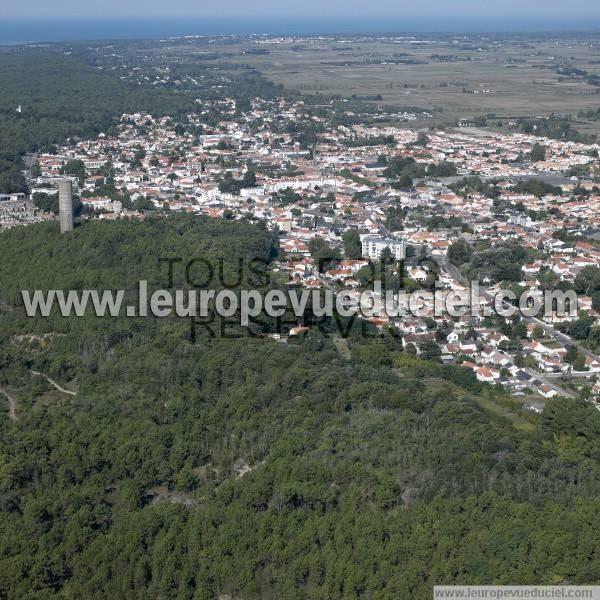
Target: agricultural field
x: 461, y: 77
x: 458, y: 78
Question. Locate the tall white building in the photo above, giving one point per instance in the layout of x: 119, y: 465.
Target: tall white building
x: 374, y: 245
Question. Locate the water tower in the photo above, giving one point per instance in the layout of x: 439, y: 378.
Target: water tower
x: 65, y: 205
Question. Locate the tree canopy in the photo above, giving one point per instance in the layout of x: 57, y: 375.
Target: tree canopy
x: 255, y: 468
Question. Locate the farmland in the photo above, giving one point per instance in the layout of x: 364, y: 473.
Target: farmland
x: 462, y: 77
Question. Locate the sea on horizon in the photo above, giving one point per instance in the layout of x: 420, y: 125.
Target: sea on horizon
x: 20, y: 31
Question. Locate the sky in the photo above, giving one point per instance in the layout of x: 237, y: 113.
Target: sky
x: 223, y: 9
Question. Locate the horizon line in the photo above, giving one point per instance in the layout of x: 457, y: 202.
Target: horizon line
x: 22, y: 31
x: 304, y: 17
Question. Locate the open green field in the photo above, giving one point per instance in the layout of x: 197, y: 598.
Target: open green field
x: 509, y: 78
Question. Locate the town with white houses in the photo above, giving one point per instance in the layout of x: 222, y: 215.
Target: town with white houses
x: 424, y: 196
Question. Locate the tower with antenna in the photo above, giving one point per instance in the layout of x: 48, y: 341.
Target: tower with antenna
x: 65, y: 205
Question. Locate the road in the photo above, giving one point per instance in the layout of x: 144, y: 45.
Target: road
x: 29, y: 160
x: 12, y: 405
x: 572, y: 375
x: 550, y: 178
x: 52, y: 382
x: 451, y: 270
x: 455, y: 274
x: 544, y: 378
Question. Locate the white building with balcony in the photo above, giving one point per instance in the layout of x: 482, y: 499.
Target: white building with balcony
x: 373, y: 247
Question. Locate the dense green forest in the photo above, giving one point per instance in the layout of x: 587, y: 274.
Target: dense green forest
x: 260, y: 469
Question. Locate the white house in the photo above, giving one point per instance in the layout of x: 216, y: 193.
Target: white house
x: 547, y: 391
